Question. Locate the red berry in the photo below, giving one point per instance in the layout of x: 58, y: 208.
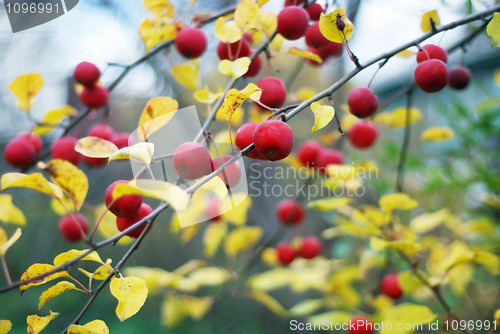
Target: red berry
x: 125, y: 222
x: 95, y: 97
x: 68, y: 226
x: 254, y: 67
x: 248, y: 38
x: 459, y: 77
x: 121, y: 139
x: 328, y: 156
x: 244, y: 138
x: 314, y: 10
x: 431, y: 51
x: 20, y: 152
x: 124, y: 206
x: 234, y: 50
x: 293, y: 22
x: 290, y: 212
x: 87, y: 74
x: 273, y: 92
x: 362, y: 134
x: 331, y: 50
x: 307, y: 152
x: 362, y: 102
x: 310, y: 247
x: 431, y: 75
x: 103, y: 131
x: 314, y: 38
x: 191, y: 42
x: 192, y: 160
x: 64, y: 148
x: 213, y: 209
x: 293, y: 2
x: 34, y: 139
x: 285, y: 253
x: 360, y: 325
x: 390, y: 287
x: 232, y: 174
x: 273, y: 140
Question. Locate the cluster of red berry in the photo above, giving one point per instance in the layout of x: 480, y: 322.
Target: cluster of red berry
x: 240, y: 49
x: 308, y: 248
x: 93, y: 94
x: 23, y: 150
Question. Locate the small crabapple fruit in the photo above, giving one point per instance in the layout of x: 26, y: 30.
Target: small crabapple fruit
x: 68, y: 226
x: 314, y: 38
x: 285, y: 253
x: 234, y: 50
x: 431, y: 51
x: 362, y: 102
x: 307, y: 152
x: 95, y: 97
x: 273, y: 92
x: 20, y: 152
x: 293, y: 22
x: 254, y: 67
x: 34, y: 139
x: 290, y: 212
x: 124, y: 206
x: 122, y: 223
x: 389, y: 286
x: 121, y: 139
x: 232, y: 174
x: 328, y: 156
x: 192, y: 160
x: 310, y: 247
x: 362, y: 134
x: 103, y: 131
x: 459, y: 77
x: 431, y: 75
x: 273, y: 140
x: 86, y: 74
x: 314, y: 10
x: 360, y: 325
x: 244, y: 138
x: 331, y: 50
x: 64, y: 148
x: 293, y: 2
x: 191, y: 42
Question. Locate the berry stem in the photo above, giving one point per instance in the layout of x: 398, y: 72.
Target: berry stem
x: 5, y: 268
x: 406, y: 142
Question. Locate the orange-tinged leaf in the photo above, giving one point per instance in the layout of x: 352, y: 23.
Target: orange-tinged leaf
x: 107, y: 226
x: 36, y: 324
x: 437, y: 133
x: 35, y: 181
x: 5, y: 244
x: 9, y: 213
x: 246, y: 15
x: 69, y: 178
x: 154, y: 32
x: 73, y: 253
x: 157, y: 112
x: 242, y: 239
x: 212, y: 238
x: 235, y: 98
x: 235, y: 68
x: 161, y: 8
x: 54, y: 291
x: 305, y: 54
x: 227, y: 31
x: 329, y: 27
x: 53, y: 118
x: 25, y: 87
x: 187, y: 75
x: 93, y: 327
x: 142, y: 151
x: 5, y: 326
x: 131, y: 293
x: 400, y: 201
x: 38, y: 269
x: 426, y: 24
x: 95, y: 147
x: 322, y: 116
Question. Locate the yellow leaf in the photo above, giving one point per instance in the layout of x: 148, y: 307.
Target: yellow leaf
x: 209, y: 276
x: 5, y: 326
x: 429, y: 19
x: 405, y: 314
x: 107, y: 226
x: 428, y: 221
x: 100, y: 273
x: 397, y: 118
x: 235, y: 98
x: 142, y: 151
x: 488, y: 260
x: 95, y: 147
x: 188, y: 233
x: 52, y: 119
x: 322, y: 116
x: 437, y: 133
x: 330, y: 29
x: 409, y: 282
x: 306, y: 307
x: 73, y: 253
x: 242, y: 239
x: 198, y: 307
x: 161, y: 8
x: 272, y: 279
x: 329, y: 204
x: 176, y: 197
x: 272, y: 304
x: 35, y: 181
x: 69, y: 178
x: 459, y: 278
x: 496, y: 77
x: 235, y: 68
x: 4, y: 246
x: 9, y: 213
x: 131, y: 293
x: 93, y: 327
x: 157, y: 112
x: 405, y: 53
x: 496, y: 316
x: 235, y: 208
x: 227, y: 31
x: 36, y: 324
x: 206, y: 96
x: 246, y: 15
x: 212, y: 238
x: 154, y: 32
x: 305, y: 93
x: 54, y: 291
x: 400, y: 201
x: 187, y: 75
x: 25, y: 87
x: 38, y: 269
x: 173, y: 310
x: 267, y: 23
x: 305, y: 54
x: 277, y: 42
x: 408, y: 247
x: 269, y: 257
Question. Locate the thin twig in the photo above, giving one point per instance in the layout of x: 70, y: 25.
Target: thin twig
x: 406, y: 143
